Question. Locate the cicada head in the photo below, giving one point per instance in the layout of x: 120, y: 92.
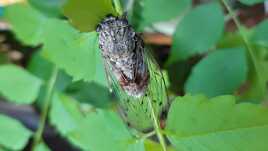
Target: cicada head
x: 116, y: 36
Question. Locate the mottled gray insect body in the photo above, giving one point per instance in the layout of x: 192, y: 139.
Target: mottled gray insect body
x: 123, y: 51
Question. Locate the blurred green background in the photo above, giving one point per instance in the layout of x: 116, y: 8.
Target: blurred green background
x: 54, y: 93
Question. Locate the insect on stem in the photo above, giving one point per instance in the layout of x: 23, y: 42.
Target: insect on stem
x: 132, y: 71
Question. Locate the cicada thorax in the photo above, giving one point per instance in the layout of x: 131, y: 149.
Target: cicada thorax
x: 123, y: 51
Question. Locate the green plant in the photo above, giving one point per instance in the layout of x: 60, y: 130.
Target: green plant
x: 65, y: 79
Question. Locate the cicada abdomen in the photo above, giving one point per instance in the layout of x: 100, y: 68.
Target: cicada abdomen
x: 133, y: 73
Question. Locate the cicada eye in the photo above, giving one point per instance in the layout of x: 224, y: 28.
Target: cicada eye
x: 99, y: 28
x: 101, y: 46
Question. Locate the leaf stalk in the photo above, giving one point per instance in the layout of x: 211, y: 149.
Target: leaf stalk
x: 45, y: 109
x: 253, y: 57
x: 118, y: 7
x: 156, y: 127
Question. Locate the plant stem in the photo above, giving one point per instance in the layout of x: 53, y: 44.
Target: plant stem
x: 156, y: 126
x: 246, y: 42
x: 47, y: 102
x: 118, y: 7
x: 145, y: 136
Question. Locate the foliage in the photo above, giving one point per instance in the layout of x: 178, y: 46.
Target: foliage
x: 224, y: 67
x: 260, y: 36
x: 13, y: 135
x: 207, y: 72
x: 189, y: 39
x: 86, y: 15
x: 228, y: 123
x: 18, y: 85
x: 29, y: 28
x: 172, y: 9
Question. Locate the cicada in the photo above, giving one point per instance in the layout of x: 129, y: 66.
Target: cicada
x: 132, y: 72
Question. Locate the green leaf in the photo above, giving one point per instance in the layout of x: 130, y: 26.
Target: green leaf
x: 231, y: 40
x: 92, y: 93
x: 51, y: 8
x: 26, y: 22
x: 256, y: 89
x: 260, y: 35
x: 85, y: 14
x: 13, y: 135
x: 70, y: 50
x: 41, y: 147
x: 196, y: 123
x: 65, y: 113
x: 153, y: 146
x: 104, y: 130
x: 251, y: 2
x: 197, y: 32
x: 18, y: 85
x: 221, y: 72
x: 173, y: 8
x: 92, y: 127
x: 43, y: 70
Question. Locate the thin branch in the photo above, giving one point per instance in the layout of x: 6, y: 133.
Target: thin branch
x: 147, y: 135
x: 47, y: 102
x: 118, y: 7
x: 246, y: 42
x: 156, y: 126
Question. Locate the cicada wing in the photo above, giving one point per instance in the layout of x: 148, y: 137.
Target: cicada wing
x: 131, y: 109
x: 157, y: 88
x: 135, y: 110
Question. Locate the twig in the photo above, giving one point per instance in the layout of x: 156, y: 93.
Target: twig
x: 147, y: 135
x: 118, y: 7
x: 47, y: 102
x: 247, y: 44
x: 156, y: 126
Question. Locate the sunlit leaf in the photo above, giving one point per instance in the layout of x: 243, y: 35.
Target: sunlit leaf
x: 196, y: 123
x: 173, y: 8
x: 104, y: 130
x: 65, y: 113
x: 51, y: 8
x: 85, y: 14
x: 26, y: 22
x: 17, y: 85
x: 197, y: 32
x: 221, y: 72
x: 13, y: 134
x: 70, y: 50
x: 41, y: 147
